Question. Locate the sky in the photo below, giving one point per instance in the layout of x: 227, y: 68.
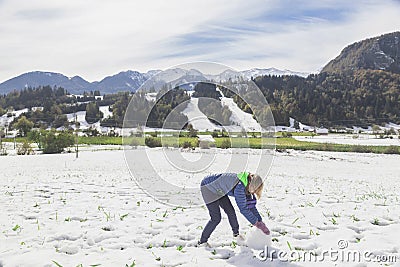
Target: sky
x: 98, y: 38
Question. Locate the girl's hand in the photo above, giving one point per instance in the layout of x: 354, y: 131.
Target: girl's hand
x: 260, y: 225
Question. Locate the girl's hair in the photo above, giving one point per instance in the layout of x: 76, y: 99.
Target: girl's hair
x: 255, y: 185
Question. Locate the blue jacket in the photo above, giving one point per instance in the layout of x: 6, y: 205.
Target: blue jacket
x: 229, y: 184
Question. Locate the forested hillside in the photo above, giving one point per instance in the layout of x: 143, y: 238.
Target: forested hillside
x: 361, y: 97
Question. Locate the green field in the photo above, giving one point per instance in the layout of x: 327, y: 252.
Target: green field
x: 280, y: 143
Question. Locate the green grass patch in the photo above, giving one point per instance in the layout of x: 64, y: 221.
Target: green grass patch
x: 281, y: 143
x: 291, y: 143
x: 100, y: 140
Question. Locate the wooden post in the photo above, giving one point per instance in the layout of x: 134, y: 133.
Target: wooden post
x: 76, y: 136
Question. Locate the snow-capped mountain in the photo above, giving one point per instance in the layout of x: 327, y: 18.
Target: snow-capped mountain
x: 128, y: 80
x: 252, y: 73
x: 271, y: 71
x: 123, y: 81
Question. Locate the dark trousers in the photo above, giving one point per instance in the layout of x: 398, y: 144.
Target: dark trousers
x: 215, y: 214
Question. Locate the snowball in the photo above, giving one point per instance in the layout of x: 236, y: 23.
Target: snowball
x: 256, y: 239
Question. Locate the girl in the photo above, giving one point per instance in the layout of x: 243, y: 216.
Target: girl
x: 215, y: 190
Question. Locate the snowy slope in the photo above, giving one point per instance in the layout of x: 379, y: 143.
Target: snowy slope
x: 5, y: 120
x: 197, y: 118
x: 106, y: 111
x: 239, y: 118
x: 80, y: 117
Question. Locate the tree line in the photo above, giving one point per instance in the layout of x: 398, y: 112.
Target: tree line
x: 361, y: 97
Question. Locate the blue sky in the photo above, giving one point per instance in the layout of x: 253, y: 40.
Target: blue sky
x: 95, y: 38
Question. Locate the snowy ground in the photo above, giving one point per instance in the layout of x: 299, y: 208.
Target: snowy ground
x: 365, y: 140
x: 89, y: 211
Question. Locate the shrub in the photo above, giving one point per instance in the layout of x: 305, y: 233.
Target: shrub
x: 286, y: 134
x: 215, y: 134
x: 224, y: 133
x: 24, y: 148
x: 186, y: 144
x: 53, y: 142
x: 152, y: 142
x: 226, y: 143
x: 3, y: 151
x: 392, y: 150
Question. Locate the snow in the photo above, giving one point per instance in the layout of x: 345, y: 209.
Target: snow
x: 5, y: 120
x: 256, y: 239
x: 241, y: 119
x: 361, y: 139
x: 83, y: 124
x: 80, y: 117
x: 106, y: 111
x: 197, y: 118
x: 151, y: 97
x: 206, y: 138
x: 89, y: 211
x: 392, y: 125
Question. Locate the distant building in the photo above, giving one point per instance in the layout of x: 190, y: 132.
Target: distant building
x: 284, y: 129
x: 322, y: 131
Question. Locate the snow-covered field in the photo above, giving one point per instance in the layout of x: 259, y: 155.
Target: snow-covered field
x: 89, y: 211
x: 364, y: 140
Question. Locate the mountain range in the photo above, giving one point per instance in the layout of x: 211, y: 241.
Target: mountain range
x: 123, y: 81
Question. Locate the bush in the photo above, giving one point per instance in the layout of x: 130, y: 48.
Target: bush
x: 53, y: 142
x: 3, y: 151
x: 152, y: 142
x: 392, y: 150
x: 24, y: 148
x: 226, y: 143
x: 286, y: 134
x: 215, y: 134
x: 34, y: 136
x: 186, y: 144
x: 224, y: 133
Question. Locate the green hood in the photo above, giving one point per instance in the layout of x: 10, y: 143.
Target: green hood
x: 242, y: 176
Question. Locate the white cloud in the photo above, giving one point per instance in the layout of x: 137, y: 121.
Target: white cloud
x: 95, y: 38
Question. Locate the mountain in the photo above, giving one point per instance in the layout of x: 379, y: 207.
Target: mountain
x: 378, y: 53
x: 271, y: 71
x: 37, y: 78
x: 127, y: 80
x: 252, y: 73
x: 123, y: 81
